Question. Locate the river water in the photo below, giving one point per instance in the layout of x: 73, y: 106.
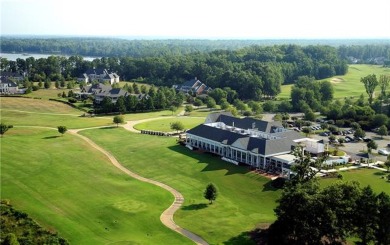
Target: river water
x: 14, y: 56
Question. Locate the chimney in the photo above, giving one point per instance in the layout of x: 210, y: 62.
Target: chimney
x: 233, y: 124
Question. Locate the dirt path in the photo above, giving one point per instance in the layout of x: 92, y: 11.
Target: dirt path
x: 167, y: 216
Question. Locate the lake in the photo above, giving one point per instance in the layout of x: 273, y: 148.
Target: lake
x: 14, y: 56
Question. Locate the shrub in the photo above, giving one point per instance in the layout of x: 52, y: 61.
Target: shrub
x: 72, y: 100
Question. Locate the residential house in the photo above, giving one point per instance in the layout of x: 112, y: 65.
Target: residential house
x: 100, y: 91
x: 99, y: 75
x: 194, y: 87
x: 8, y: 87
x: 260, y: 144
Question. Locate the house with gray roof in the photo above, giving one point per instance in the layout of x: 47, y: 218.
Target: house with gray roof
x: 100, y: 91
x: 7, y: 86
x: 193, y: 86
x: 260, y: 144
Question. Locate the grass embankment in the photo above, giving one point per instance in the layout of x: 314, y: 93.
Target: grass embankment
x: 364, y: 176
x: 67, y: 186
x: 51, y: 93
x: 348, y: 85
x: 164, y: 125
x: 35, y: 112
x: 245, y: 199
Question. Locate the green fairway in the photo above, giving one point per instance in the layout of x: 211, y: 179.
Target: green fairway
x: 245, y: 198
x: 67, y: 186
x: 51, y: 93
x: 364, y: 176
x: 348, y: 85
x: 164, y: 125
x: 37, y: 105
x: 34, y: 112
x: 17, y: 118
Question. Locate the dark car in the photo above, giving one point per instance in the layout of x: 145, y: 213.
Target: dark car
x: 366, y: 139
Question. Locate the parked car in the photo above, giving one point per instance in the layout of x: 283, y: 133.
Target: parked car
x: 325, y: 134
x: 384, y: 152
x: 349, y: 138
x: 365, y: 139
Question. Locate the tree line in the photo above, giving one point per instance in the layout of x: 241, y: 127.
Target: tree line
x: 139, y: 48
x: 255, y: 72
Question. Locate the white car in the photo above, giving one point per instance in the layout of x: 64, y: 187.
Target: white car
x: 384, y: 152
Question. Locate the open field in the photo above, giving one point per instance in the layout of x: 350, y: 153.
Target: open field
x: 37, y: 105
x: 51, y: 93
x: 67, y: 186
x: 365, y: 177
x: 164, y: 125
x: 245, y: 198
x: 34, y: 112
x: 348, y: 85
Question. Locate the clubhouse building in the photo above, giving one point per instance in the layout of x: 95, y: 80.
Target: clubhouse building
x: 260, y: 144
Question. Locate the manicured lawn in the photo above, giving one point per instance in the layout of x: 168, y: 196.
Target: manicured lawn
x: 36, y: 112
x: 67, y: 186
x: 164, y: 125
x: 202, y: 112
x: 17, y: 118
x: 37, y: 105
x: 348, y: 85
x: 245, y: 199
x: 143, y: 115
x: 285, y: 92
x: 365, y: 177
x: 51, y: 93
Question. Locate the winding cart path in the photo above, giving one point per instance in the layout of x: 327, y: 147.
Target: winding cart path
x: 167, y: 216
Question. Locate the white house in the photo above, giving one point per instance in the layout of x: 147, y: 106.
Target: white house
x: 260, y: 144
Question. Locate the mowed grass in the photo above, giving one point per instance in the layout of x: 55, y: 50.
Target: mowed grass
x: 364, y: 176
x: 164, y: 125
x: 34, y: 112
x: 69, y: 187
x: 37, y: 105
x: 245, y: 199
x: 348, y: 85
x: 51, y: 93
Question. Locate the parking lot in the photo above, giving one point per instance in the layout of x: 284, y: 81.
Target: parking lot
x: 356, y: 147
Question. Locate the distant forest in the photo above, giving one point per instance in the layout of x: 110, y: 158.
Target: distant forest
x: 363, y: 49
x: 255, y: 72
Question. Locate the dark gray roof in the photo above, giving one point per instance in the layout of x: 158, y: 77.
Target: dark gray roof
x: 190, y: 83
x: 245, y: 123
x: 256, y: 145
x: 11, y: 74
x: 215, y: 134
x: 97, y: 88
x: 7, y: 81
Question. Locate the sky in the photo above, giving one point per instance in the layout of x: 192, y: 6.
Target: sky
x: 208, y: 19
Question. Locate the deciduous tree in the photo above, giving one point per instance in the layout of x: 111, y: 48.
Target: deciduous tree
x: 62, y: 130
x: 382, y: 131
x: 178, y: 126
x: 370, y: 83
x: 384, y: 81
x: 371, y: 145
x: 210, y: 193
x: 118, y: 119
